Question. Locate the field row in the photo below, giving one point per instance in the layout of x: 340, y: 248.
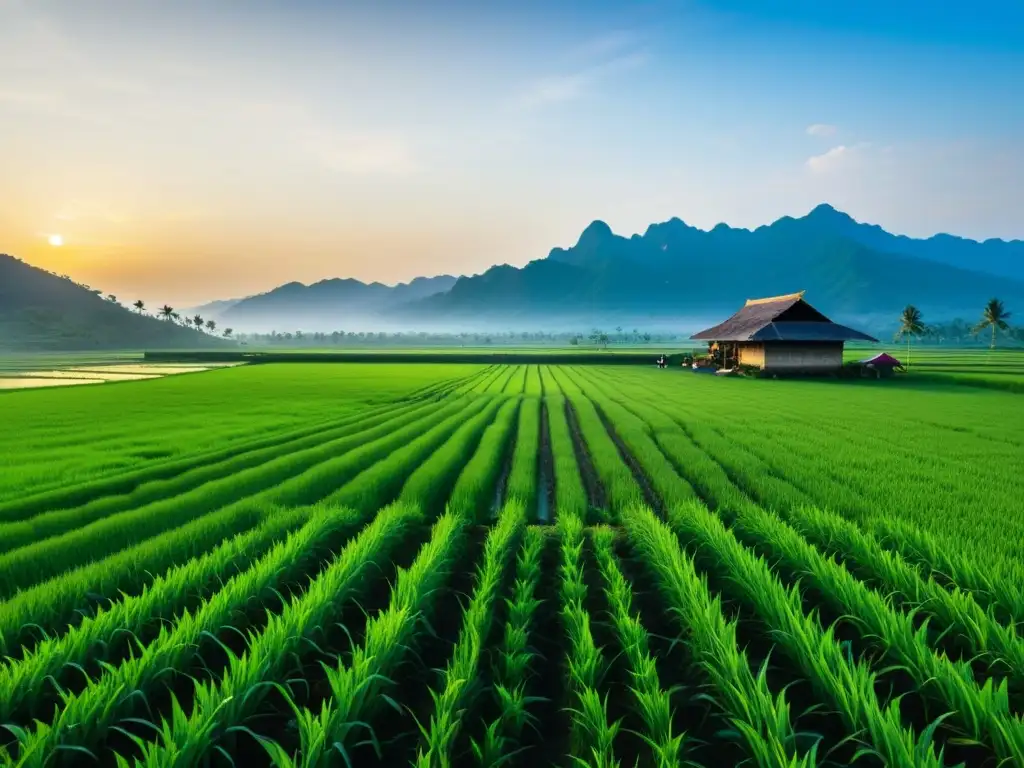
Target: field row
x: 498, y: 568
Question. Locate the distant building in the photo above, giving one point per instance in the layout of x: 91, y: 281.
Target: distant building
x: 780, y: 334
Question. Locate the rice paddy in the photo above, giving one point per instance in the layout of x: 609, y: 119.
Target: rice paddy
x: 42, y: 370
x: 319, y: 564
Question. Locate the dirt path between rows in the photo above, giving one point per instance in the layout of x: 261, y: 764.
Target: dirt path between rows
x: 545, y: 469
x: 591, y: 482
x: 650, y: 495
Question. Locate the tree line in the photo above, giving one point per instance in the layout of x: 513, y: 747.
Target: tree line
x: 995, y: 319
x: 166, y: 312
x: 464, y: 338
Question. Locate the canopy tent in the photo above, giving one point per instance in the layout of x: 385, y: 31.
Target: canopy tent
x: 882, y: 359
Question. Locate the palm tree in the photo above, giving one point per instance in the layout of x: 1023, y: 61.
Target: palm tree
x: 211, y: 325
x: 228, y: 332
x: 197, y: 320
x: 911, y: 325
x: 139, y: 306
x: 166, y: 312
x: 994, y: 316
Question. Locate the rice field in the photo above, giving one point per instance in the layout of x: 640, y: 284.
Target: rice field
x: 37, y: 370
x: 510, y: 565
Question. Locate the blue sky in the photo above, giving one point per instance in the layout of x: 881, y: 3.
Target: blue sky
x: 198, y: 150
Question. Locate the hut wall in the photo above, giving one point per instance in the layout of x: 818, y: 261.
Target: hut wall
x: 752, y: 354
x: 803, y: 356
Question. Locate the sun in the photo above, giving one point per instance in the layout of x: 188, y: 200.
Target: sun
x: 56, y: 241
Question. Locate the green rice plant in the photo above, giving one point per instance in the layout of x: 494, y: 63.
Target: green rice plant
x: 510, y: 675
x: 619, y: 484
x: 109, y: 430
x: 570, y: 496
x: 475, y: 486
x: 331, y: 478
x: 749, y: 472
x: 841, y: 444
x: 454, y: 386
x: 761, y: 720
x: 522, y: 476
x: 635, y: 434
x: 500, y: 384
x: 359, y: 688
x: 704, y: 474
x: 459, y: 681
x: 651, y: 701
x: 432, y: 480
x: 185, y: 739
x: 956, y: 610
x: 55, y: 603
x: 592, y: 736
x: 982, y: 713
x: 866, y: 456
x: 989, y: 586
x: 85, y: 717
x: 39, y: 561
x: 848, y: 686
x: 128, y: 487
x: 23, y: 678
x: 483, y: 384
x: 534, y: 386
x: 42, y: 526
x: 517, y: 381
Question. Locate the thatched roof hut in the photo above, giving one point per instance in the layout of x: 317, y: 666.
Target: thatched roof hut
x: 780, y: 334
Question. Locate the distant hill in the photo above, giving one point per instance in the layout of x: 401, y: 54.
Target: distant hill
x: 213, y: 310
x: 678, y: 273
x: 997, y: 257
x: 673, y: 276
x: 328, y: 304
x: 42, y: 311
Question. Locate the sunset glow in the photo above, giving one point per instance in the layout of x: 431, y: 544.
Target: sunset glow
x: 56, y: 241
x: 388, y: 140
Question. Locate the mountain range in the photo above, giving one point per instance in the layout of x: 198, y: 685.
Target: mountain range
x: 328, y: 304
x: 43, y: 311
x: 673, y: 275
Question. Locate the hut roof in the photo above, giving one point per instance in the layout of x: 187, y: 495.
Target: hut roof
x: 780, y: 318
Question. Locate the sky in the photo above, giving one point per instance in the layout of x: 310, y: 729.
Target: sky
x: 201, y: 150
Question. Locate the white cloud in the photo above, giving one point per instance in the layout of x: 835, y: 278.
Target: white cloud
x: 821, y: 129
x: 829, y: 160
x: 556, y: 89
x: 836, y: 158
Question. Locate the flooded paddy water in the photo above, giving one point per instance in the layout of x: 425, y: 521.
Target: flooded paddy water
x: 22, y: 376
